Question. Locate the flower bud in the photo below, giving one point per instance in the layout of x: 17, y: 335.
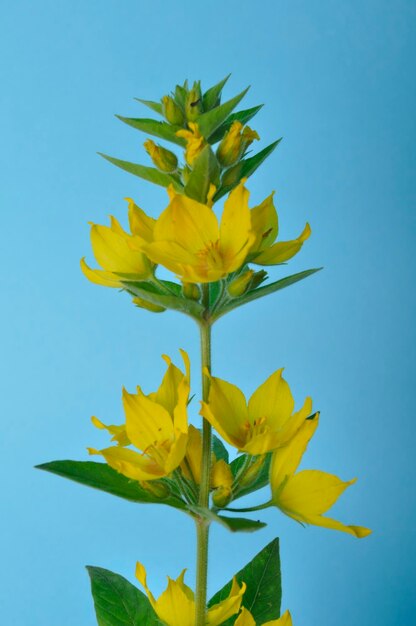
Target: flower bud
x: 234, y: 143
x: 252, y: 473
x: 172, y: 111
x: 165, y: 160
x: 158, y: 489
x: 191, y: 291
x: 195, y: 142
x: 222, y: 496
x: 149, y: 306
x: 241, y: 284
x: 193, y: 104
x: 232, y: 176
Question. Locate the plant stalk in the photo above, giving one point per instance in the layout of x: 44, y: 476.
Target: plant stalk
x: 202, y: 525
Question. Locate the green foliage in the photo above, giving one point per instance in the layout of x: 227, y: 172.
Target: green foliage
x: 234, y: 524
x: 155, y: 128
x: 101, y: 476
x: 212, y: 96
x: 219, y: 449
x: 150, y: 174
x: 117, y: 602
x: 155, y: 106
x: 240, y: 116
x: 163, y: 298
x: 209, y: 122
x: 261, y: 480
x: 264, y: 589
x: 204, y: 172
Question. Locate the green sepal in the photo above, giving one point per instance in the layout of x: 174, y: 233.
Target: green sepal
x: 211, y: 97
x: 240, y: 116
x: 155, y: 128
x: 246, y: 168
x: 117, y: 602
x: 180, y: 94
x: 150, y: 174
x: 204, y: 172
x: 149, y: 292
x: 219, y: 449
x: 263, y: 595
x: 104, y: 478
x: 155, y: 106
x: 234, y: 524
x: 261, y: 480
x: 209, y: 122
x: 264, y: 291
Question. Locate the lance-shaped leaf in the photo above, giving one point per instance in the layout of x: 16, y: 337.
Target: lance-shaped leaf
x: 155, y: 106
x: 261, y: 480
x: 117, y: 602
x: 155, y: 128
x: 219, y: 449
x: 264, y: 291
x: 150, y: 174
x: 204, y: 172
x: 101, y: 476
x: 264, y: 589
x: 245, y: 169
x: 211, y: 97
x: 168, y: 301
x: 240, y: 116
x: 234, y: 524
x: 209, y: 122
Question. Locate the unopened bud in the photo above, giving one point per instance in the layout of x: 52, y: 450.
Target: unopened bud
x: 258, y: 279
x: 193, y: 105
x: 241, y: 284
x: 222, y: 496
x: 234, y: 143
x: 252, y: 473
x: 157, y: 488
x: 165, y: 160
x: 172, y: 111
x: 191, y: 291
x: 149, y: 306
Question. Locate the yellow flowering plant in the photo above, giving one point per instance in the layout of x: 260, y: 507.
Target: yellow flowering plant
x: 157, y: 455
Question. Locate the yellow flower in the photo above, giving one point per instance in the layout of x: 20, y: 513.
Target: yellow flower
x: 246, y: 619
x: 221, y: 475
x: 306, y: 495
x: 119, y: 253
x: 264, y: 423
x: 176, y: 605
x: 234, y: 144
x: 264, y: 222
x: 188, y: 240
x: 156, y: 424
x: 195, y: 142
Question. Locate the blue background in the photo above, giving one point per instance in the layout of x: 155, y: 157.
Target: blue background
x: 337, y: 79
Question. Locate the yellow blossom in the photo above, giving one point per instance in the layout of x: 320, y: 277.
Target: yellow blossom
x: 156, y: 424
x: 176, y: 605
x: 221, y: 475
x: 266, y: 422
x: 195, y: 142
x: 188, y: 240
x: 265, y: 249
x: 234, y: 144
x: 118, y: 253
x: 307, y: 495
x: 246, y: 619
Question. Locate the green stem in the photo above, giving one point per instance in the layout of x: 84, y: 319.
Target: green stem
x: 248, y: 509
x: 202, y: 525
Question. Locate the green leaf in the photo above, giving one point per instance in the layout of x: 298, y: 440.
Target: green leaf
x: 209, y: 122
x: 219, y: 449
x: 155, y: 106
x: 234, y: 524
x: 212, y: 96
x: 247, y: 167
x: 117, y: 602
x: 101, y: 476
x: 205, y: 171
x: 155, y: 128
x: 184, y: 305
x: 240, y: 116
x: 264, y: 291
x: 180, y: 94
x: 262, y: 478
x: 264, y: 588
x: 150, y: 174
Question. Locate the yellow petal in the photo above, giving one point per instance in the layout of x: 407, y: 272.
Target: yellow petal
x: 176, y: 453
x: 220, y: 612
x: 113, y: 253
x: 245, y: 618
x: 264, y: 222
x: 221, y: 474
x: 131, y: 464
x: 227, y: 411
x: 118, y: 432
x: 174, y: 607
x: 100, y: 277
x: 235, y: 222
x: 167, y: 394
x: 140, y: 224
x: 147, y: 422
x: 192, y: 468
x: 273, y: 400
x: 286, y: 459
x: 284, y: 620
x: 282, y: 250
